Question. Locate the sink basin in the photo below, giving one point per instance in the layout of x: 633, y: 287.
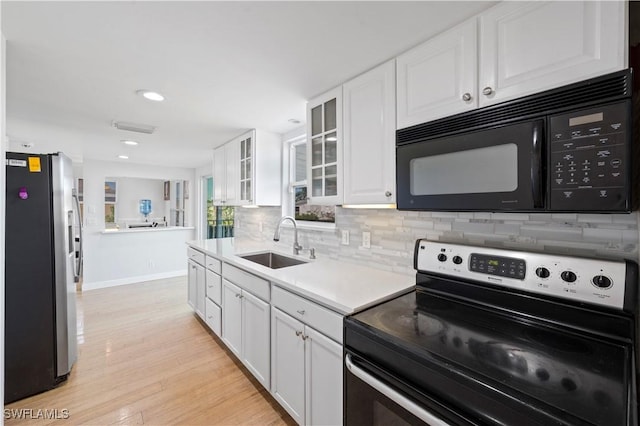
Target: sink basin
x: 273, y: 260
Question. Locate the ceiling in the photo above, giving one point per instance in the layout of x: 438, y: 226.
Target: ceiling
x: 224, y: 67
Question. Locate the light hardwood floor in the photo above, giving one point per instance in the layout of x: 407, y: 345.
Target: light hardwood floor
x: 144, y: 358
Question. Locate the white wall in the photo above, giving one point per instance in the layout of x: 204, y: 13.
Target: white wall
x: 124, y: 258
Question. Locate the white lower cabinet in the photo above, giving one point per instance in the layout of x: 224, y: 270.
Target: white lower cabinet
x: 232, y: 317
x: 245, y: 330
x: 287, y: 363
x: 196, y: 287
x: 213, y: 316
x: 306, y: 368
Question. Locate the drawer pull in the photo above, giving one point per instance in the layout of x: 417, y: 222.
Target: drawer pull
x: 301, y: 312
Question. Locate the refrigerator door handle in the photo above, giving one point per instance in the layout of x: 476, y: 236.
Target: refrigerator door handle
x: 78, y: 269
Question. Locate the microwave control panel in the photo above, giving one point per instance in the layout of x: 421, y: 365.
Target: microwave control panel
x: 589, y: 160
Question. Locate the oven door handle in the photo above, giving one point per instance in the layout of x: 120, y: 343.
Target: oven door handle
x: 392, y: 394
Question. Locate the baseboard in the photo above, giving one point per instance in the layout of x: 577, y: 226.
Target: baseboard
x: 131, y: 280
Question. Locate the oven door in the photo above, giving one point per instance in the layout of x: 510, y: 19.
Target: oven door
x: 375, y: 397
x: 499, y: 169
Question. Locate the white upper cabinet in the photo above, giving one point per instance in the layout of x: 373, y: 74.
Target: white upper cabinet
x: 512, y: 50
x: 369, y: 137
x: 439, y: 77
x: 260, y: 165
x: 247, y: 170
x: 226, y: 174
x: 324, y: 148
x: 527, y: 47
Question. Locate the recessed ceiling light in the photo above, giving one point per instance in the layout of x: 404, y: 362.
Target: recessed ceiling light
x: 151, y: 95
x: 294, y: 121
x: 129, y: 142
x: 123, y: 157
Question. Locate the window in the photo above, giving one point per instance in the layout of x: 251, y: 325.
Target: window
x: 110, y: 204
x: 219, y: 220
x: 296, y: 202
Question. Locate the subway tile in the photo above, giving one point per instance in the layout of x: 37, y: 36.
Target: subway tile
x: 604, y: 235
x: 444, y: 215
x: 509, y: 216
x: 442, y: 226
x: 552, y: 232
x: 506, y: 229
x: 422, y: 224
x: 595, y: 218
x: 473, y: 228
x: 564, y: 216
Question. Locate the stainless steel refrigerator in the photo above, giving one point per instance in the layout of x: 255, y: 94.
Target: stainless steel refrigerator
x: 42, y: 265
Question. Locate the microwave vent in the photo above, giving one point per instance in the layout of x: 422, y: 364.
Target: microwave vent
x: 583, y: 94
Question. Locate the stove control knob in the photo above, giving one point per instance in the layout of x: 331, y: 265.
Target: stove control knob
x: 568, y: 276
x: 442, y: 257
x: 543, y: 272
x: 601, y: 281
x: 457, y: 260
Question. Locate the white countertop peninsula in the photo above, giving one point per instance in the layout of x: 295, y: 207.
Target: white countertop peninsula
x: 341, y: 286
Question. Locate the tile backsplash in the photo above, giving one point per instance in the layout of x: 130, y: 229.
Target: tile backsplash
x: 393, y: 233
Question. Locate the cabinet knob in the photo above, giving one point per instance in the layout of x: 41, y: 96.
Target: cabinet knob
x: 466, y: 97
x: 487, y: 91
x: 388, y: 194
x: 301, y: 312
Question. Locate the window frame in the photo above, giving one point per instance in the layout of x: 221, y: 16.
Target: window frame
x: 288, y: 196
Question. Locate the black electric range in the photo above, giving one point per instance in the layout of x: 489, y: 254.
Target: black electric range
x: 498, y: 337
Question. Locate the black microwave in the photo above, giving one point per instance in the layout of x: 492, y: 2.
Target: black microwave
x: 564, y: 150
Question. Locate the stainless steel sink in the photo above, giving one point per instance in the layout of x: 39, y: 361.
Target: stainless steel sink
x: 273, y: 260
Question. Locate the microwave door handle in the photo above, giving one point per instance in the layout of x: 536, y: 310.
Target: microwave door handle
x: 394, y: 395
x: 536, y: 164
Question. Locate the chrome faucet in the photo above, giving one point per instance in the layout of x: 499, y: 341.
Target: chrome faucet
x: 276, y: 237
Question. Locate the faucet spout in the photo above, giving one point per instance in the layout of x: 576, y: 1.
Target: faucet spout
x: 276, y: 236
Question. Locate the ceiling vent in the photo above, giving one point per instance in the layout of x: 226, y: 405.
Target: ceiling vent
x: 133, y: 127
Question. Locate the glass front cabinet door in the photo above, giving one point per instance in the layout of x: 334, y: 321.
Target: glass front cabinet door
x: 324, y: 148
x: 246, y: 169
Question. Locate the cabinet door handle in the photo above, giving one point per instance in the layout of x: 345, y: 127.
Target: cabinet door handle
x: 304, y: 337
x: 466, y: 97
x: 298, y: 333
x: 487, y: 91
x: 301, y: 312
x: 388, y: 194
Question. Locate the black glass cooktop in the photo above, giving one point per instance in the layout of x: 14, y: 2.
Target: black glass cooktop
x: 581, y: 374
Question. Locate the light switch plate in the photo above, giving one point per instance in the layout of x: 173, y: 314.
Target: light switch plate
x: 366, y: 239
x: 345, y: 237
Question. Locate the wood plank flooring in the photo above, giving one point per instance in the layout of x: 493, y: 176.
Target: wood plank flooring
x: 145, y: 358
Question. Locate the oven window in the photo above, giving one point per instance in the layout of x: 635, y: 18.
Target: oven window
x: 482, y: 170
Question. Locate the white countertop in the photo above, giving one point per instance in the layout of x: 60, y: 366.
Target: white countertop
x: 150, y: 229
x: 341, y: 286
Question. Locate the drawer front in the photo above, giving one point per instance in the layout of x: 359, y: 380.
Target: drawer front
x: 195, y: 255
x: 310, y: 313
x: 214, y: 286
x: 255, y: 285
x: 213, y: 264
x: 213, y: 316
